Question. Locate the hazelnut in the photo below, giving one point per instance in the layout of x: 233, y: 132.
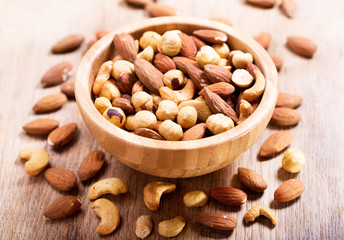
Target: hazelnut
x: 144, y: 119
x: 123, y: 104
x: 167, y: 110
x: 101, y: 104
x: 207, y: 55
x: 129, y: 123
x: 242, y: 78
x: 150, y: 38
x: 142, y: 101
x: 109, y: 90
x: 170, y: 43
x: 170, y: 130
x: 121, y: 66
x: 174, y: 79
x: 225, y: 64
x: 187, y: 117
x: 147, y: 54
x: 222, y: 49
x: 219, y: 123
x: 125, y: 82
x: 240, y: 59
x: 156, y: 101
x: 115, y: 115
x: 293, y: 160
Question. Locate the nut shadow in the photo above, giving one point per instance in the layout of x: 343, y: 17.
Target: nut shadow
x: 214, y: 233
x: 278, y: 127
x: 281, y: 205
x: 284, y: 175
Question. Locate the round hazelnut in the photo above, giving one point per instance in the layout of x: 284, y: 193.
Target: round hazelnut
x: 115, y: 115
x: 222, y: 49
x: 147, y: 54
x: 242, y: 78
x: 170, y: 43
x: 167, y: 110
x: 144, y: 119
x: 170, y: 130
x: 101, y: 104
x: 109, y: 90
x: 150, y: 38
x: 207, y: 55
x: 241, y: 59
x: 121, y: 66
x: 129, y: 123
x: 174, y: 79
x: 187, y: 117
x: 142, y: 101
x: 219, y: 123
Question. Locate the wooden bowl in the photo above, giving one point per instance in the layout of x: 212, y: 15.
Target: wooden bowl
x: 167, y: 158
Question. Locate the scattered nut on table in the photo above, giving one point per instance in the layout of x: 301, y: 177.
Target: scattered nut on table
x: 195, y: 199
x: 259, y: 210
x: 143, y: 226
x: 172, y: 227
x: 153, y: 191
x: 37, y: 160
x: 109, y: 215
x: 115, y: 186
x: 293, y: 160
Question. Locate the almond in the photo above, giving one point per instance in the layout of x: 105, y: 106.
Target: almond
x: 101, y: 33
x: 125, y: 82
x: 222, y: 89
x: 61, y: 179
x: 163, y: 63
x: 276, y: 143
x: 219, y: 221
x: 68, y: 89
x: 148, y: 133
x: 283, y: 116
x: 222, y: 20
x: 289, y: 8
x: 123, y: 104
x: 91, y: 164
x: 62, y: 207
x: 199, y: 43
x: 262, y: 3
x: 252, y: 179
x: 139, y: 3
x: 301, y: 46
x: 57, y: 74
x: 263, y: 39
x: 148, y: 75
x: 63, y: 135
x: 138, y: 87
x: 211, y: 36
x: 125, y: 46
x: 41, y: 126
x: 195, y: 132
x: 229, y: 196
x: 288, y: 100
x: 217, y: 74
x: 218, y: 105
x: 181, y: 62
x: 198, y: 76
x: 188, y: 48
x: 68, y: 44
x: 50, y: 103
x: 278, y: 61
x: 159, y: 10
x: 289, y: 190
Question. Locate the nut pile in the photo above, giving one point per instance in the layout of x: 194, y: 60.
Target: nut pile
x: 176, y: 84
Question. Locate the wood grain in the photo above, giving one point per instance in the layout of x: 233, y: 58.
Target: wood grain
x: 29, y: 28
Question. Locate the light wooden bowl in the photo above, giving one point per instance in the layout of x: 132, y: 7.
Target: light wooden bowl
x: 167, y: 158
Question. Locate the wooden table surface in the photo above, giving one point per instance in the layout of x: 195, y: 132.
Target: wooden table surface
x: 29, y: 28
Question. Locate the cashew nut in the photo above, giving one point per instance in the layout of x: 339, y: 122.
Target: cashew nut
x: 203, y: 111
x: 257, y: 89
x: 172, y: 227
x: 178, y: 96
x: 109, y: 214
x: 153, y: 191
x: 258, y: 210
x: 245, y: 111
x: 195, y: 199
x: 114, y: 186
x: 143, y: 226
x: 37, y: 160
x: 102, y: 76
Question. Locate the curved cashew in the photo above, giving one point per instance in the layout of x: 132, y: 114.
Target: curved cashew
x: 245, y: 111
x: 195, y: 199
x: 143, y: 226
x: 257, y: 89
x: 172, y: 227
x: 203, y: 111
x: 102, y: 76
x: 178, y: 96
x: 37, y: 160
x: 114, y: 186
x: 109, y: 214
x: 258, y: 210
x: 153, y: 191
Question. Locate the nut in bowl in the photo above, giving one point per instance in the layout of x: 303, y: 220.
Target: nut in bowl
x: 180, y: 159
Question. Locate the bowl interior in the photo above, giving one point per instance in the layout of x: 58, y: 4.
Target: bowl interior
x: 104, y: 50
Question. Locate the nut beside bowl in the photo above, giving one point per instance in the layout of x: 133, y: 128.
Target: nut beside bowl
x: 167, y: 158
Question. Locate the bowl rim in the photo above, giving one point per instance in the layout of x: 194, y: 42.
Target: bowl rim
x: 85, y: 103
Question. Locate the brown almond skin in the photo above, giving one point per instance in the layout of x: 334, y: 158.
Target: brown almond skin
x: 223, y: 89
x: 284, y: 116
x: 68, y: 44
x: 302, y: 46
x: 125, y: 82
x: 220, y: 221
x: 278, y: 61
x: 289, y: 8
x: 61, y: 179
x: 138, y: 87
x: 181, y: 62
x: 62, y: 136
x: 198, y: 76
x: 229, y: 196
x: 163, y: 63
x: 289, y: 190
x: 276, y: 143
x: 252, y: 180
x: 159, y: 10
x: 148, y: 133
x: 68, y: 89
x: 148, y: 75
x: 41, y: 126
x: 188, y: 48
x: 199, y: 43
x: 217, y: 74
x: 262, y: 3
x: 195, y: 132
x: 123, y: 104
x: 50, y: 103
x: 125, y: 46
x: 288, y: 100
x: 62, y: 207
x: 211, y: 36
x: 264, y: 39
x: 91, y: 165
x: 57, y: 74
